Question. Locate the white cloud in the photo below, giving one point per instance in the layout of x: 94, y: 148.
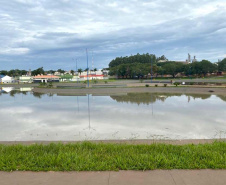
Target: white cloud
x: 60, y: 30
x: 14, y: 51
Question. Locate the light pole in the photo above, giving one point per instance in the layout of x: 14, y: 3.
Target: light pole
x: 77, y: 71
x: 87, y: 67
x: 151, y: 68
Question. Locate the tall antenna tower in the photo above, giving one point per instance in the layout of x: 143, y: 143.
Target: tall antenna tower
x: 92, y: 62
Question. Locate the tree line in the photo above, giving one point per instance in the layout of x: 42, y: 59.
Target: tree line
x: 38, y: 71
x: 146, y: 64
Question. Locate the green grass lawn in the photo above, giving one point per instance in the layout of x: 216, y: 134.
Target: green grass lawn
x: 87, y: 156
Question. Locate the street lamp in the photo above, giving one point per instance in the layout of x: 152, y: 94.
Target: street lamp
x: 87, y: 67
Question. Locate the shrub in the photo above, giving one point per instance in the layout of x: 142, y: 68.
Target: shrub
x: 50, y: 84
x: 176, y: 83
x: 191, y: 83
x: 105, y: 82
x: 147, y: 85
x: 42, y: 84
x: 141, y: 80
x: 156, y: 85
x: 165, y: 85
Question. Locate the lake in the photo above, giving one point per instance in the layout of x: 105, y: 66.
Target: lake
x: 27, y: 116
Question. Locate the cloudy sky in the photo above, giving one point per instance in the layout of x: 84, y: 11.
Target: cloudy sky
x: 54, y: 33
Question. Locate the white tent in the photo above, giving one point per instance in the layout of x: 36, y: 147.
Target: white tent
x: 6, y: 79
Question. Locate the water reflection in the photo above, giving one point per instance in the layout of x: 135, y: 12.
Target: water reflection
x: 130, y: 116
x: 148, y: 98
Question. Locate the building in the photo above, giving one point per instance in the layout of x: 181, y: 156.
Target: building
x: 162, y: 61
x: 25, y: 79
x: 6, y: 79
x: 194, y: 60
x: 45, y: 78
x: 75, y: 79
x: 66, y: 78
x: 1, y: 76
x: 92, y: 77
x: 189, y: 59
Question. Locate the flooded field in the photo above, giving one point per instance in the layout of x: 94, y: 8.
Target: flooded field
x: 27, y: 116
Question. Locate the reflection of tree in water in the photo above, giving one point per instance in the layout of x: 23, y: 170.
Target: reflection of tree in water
x: 138, y: 98
x: 3, y: 92
x: 38, y: 95
x: 147, y: 98
x: 222, y: 97
x: 14, y: 92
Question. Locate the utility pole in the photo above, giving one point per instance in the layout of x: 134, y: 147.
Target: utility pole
x: 87, y: 68
x: 77, y: 70
x: 151, y: 68
x: 92, y: 61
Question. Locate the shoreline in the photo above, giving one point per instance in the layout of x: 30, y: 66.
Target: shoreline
x: 124, y: 90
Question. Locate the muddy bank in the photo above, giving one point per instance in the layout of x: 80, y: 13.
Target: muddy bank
x: 119, y: 90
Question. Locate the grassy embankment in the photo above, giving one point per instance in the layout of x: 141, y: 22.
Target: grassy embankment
x: 102, y: 157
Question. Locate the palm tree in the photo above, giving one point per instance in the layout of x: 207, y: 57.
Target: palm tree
x: 80, y: 70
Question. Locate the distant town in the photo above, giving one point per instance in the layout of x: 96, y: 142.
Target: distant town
x: 132, y: 67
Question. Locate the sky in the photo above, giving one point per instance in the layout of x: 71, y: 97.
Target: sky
x: 55, y: 33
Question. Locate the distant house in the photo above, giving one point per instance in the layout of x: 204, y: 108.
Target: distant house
x: 75, y: 78
x: 162, y: 61
x: 66, y: 78
x: 92, y: 77
x: 6, y: 79
x: 25, y: 79
x: 46, y: 78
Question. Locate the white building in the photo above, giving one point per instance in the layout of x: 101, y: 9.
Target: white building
x: 25, y: 79
x: 45, y: 78
x: 6, y: 79
x: 91, y: 77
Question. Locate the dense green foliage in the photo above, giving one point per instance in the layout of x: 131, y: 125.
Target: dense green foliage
x: 144, y: 58
x: 99, y: 157
x: 38, y: 71
x: 140, y: 66
x: 13, y: 72
x: 222, y: 65
x: 132, y: 70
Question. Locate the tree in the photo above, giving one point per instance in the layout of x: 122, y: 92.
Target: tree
x: 222, y: 65
x: 144, y: 58
x: 80, y: 71
x: 4, y: 72
x: 38, y: 71
x: 51, y: 72
x: 207, y: 67
x: 160, y: 71
x: 60, y: 71
x: 173, y: 68
x: 72, y: 72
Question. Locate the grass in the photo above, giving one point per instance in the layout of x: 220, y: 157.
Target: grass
x: 87, y: 156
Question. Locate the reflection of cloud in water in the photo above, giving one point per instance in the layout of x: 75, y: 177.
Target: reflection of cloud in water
x: 58, y: 118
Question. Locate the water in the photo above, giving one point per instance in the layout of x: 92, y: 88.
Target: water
x: 25, y: 116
